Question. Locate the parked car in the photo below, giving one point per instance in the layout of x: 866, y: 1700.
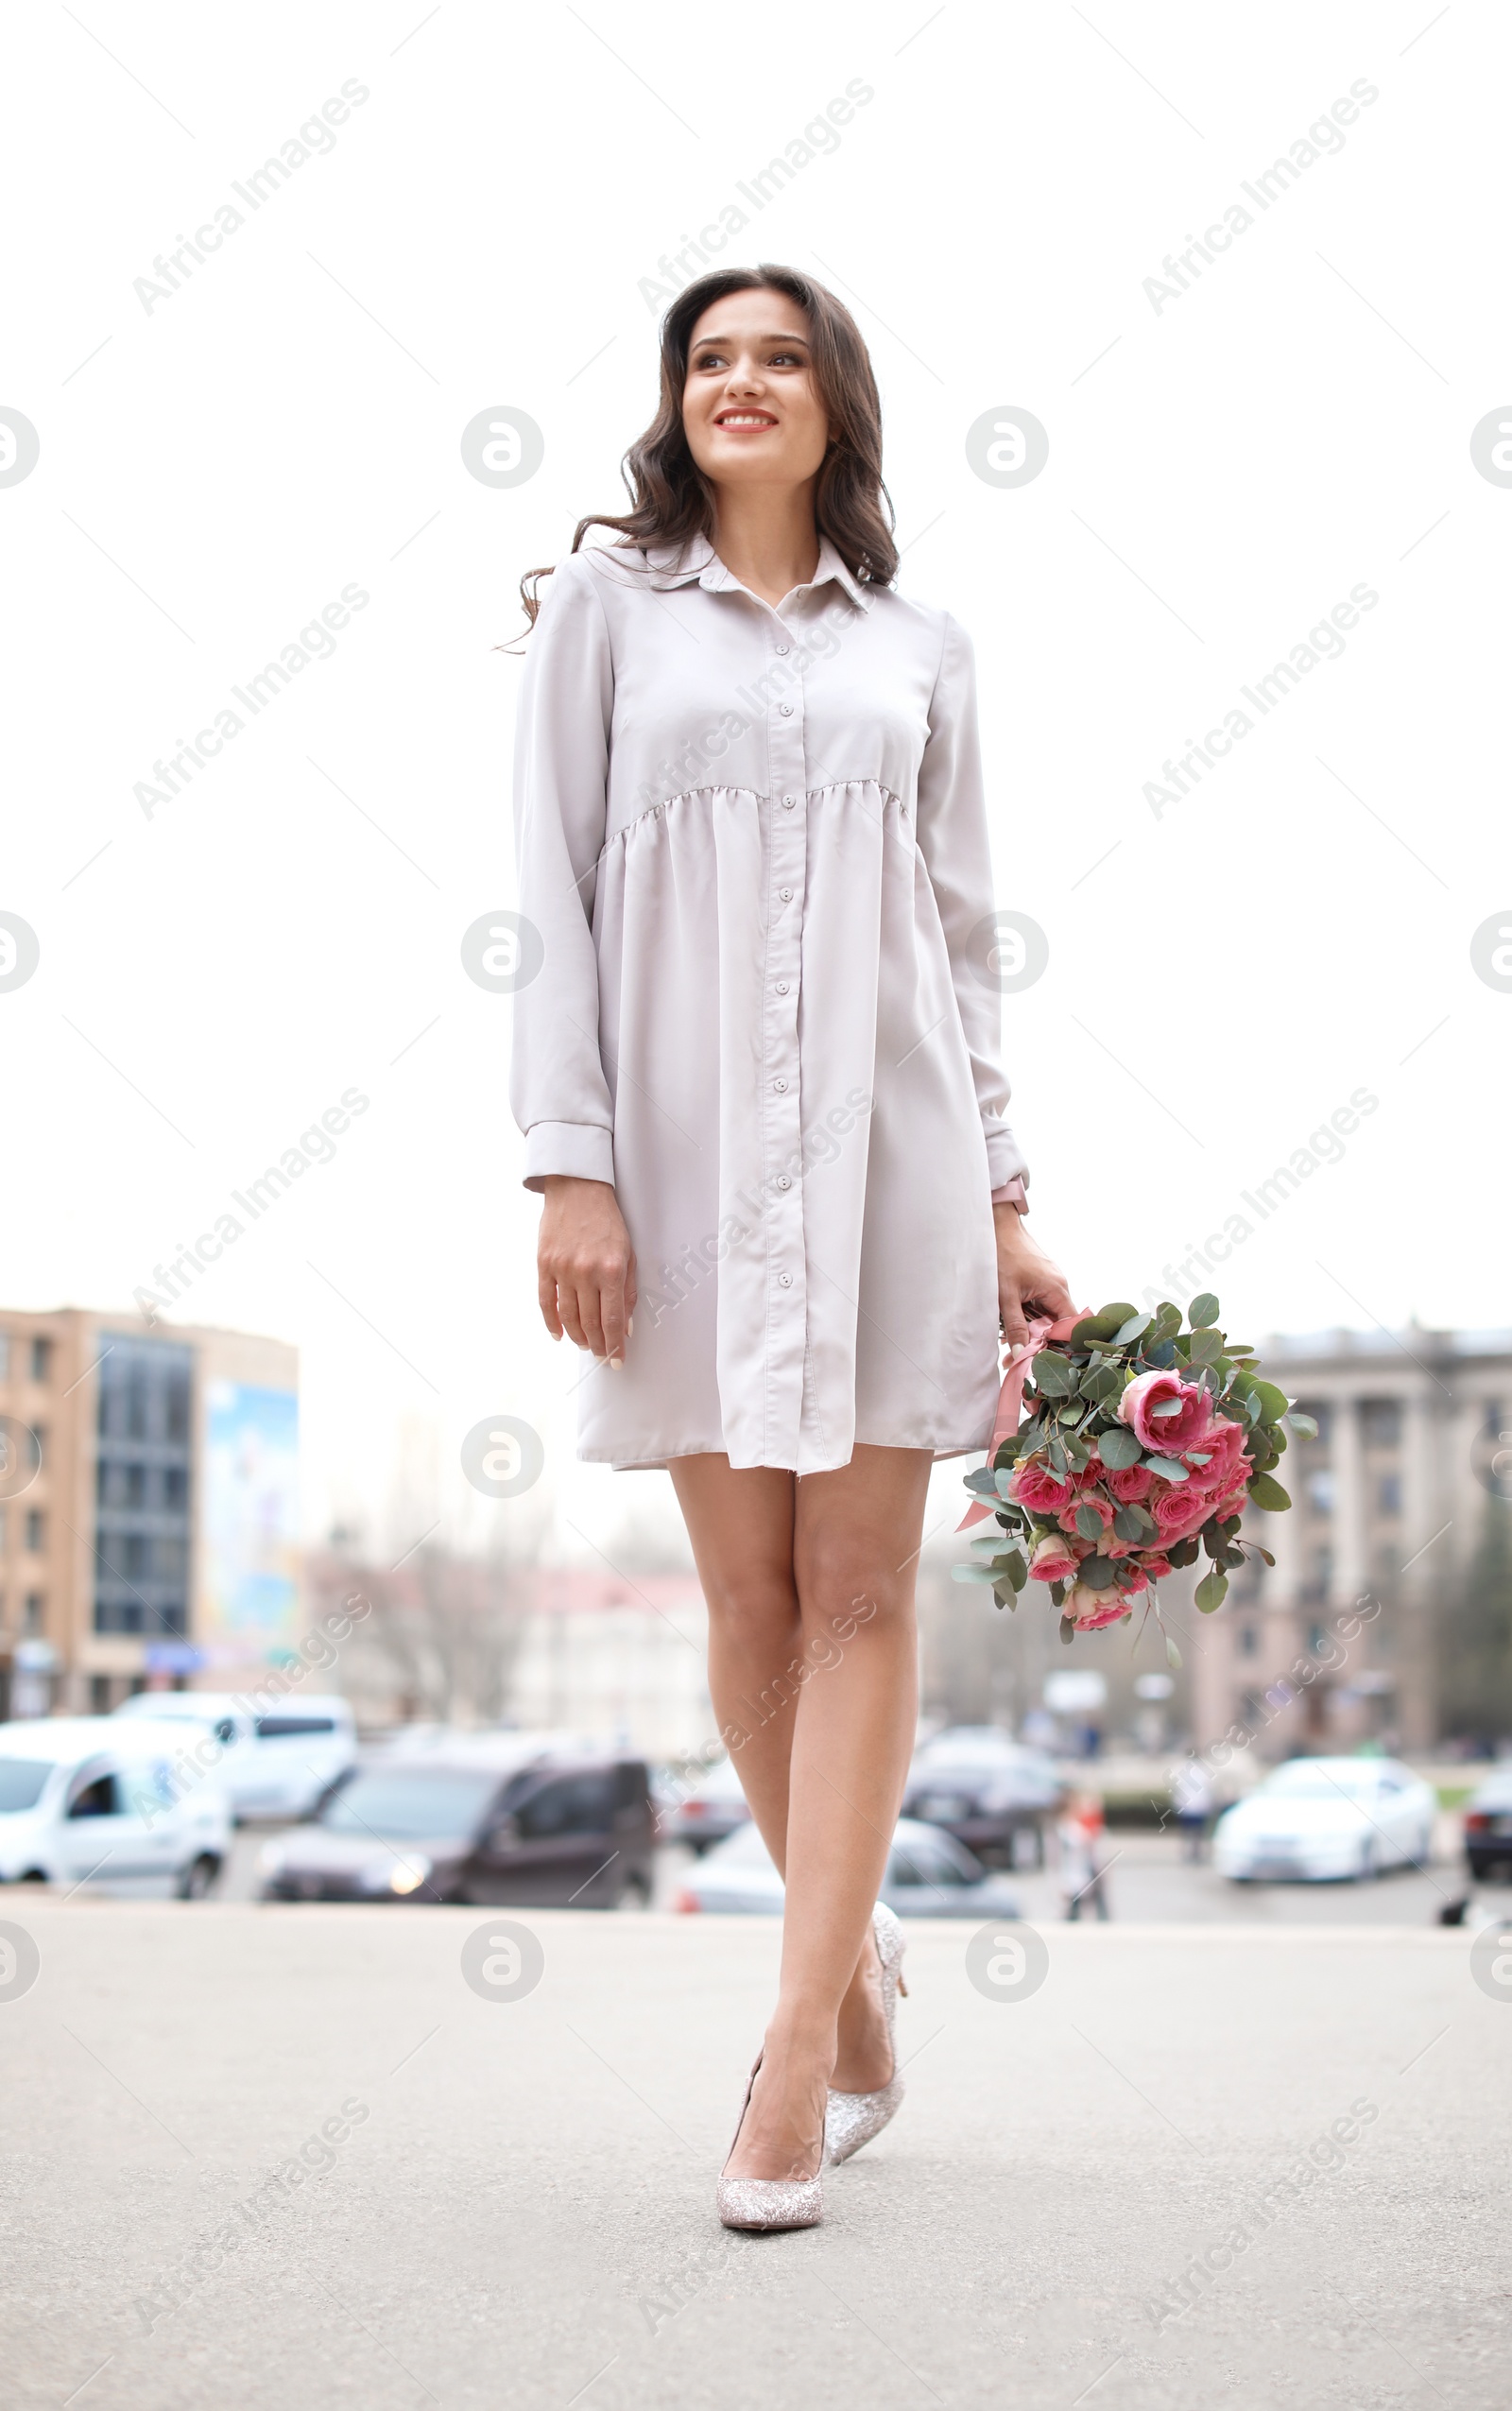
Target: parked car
x: 990, y: 1791
x: 88, y: 1800
x: 1489, y: 1827
x: 467, y: 1822
x: 928, y: 1874
x: 704, y: 1816
x: 276, y: 1761
x: 1322, y: 1820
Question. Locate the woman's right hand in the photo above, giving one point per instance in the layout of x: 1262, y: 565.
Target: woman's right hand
x: 586, y: 1266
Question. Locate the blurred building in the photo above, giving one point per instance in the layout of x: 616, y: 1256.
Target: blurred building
x: 452, y: 1640
x: 148, y: 1506
x: 1389, y: 1506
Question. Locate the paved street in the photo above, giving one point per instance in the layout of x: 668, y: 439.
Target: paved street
x: 511, y: 2200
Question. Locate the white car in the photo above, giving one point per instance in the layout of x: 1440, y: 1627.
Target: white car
x: 1325, y: 1820
x: 276, y: 1758
x: 88, y: 1800
x: 928, y: 1874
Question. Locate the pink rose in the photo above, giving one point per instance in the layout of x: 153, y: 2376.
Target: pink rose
x: 1156, y: 1566
x: 1091, y: 1610
x: 1234, y: 1503
x: 1223, y: 1444
x: 1035, y: 1487
x: 1167, y: 1435
x: 1129, y: 1483
x: 1100, y: 1507
x: 1178, y: 1509
x: 1052, y: 1562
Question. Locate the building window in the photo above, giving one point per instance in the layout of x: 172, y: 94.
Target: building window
x: 36, y: 1530
x: 31, y: 1614
x: 41, y: 1360
x: 1390, y: 1494
x: 1248, y: 1641
x: 1381, y: 1419
x: 99, y: 1695
x: 1320, y: 1492
x: 1316, y: 1638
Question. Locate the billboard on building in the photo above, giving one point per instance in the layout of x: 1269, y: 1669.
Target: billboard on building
x: 250, y: 1519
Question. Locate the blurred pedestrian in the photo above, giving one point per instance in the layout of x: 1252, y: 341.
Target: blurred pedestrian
x: 1192, y: 1799
x: 1080, y: 1856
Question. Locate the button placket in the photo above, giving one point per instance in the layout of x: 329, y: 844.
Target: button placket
x: 787, y: 817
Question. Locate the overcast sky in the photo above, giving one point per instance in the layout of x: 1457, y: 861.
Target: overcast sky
x: 1237, y: 447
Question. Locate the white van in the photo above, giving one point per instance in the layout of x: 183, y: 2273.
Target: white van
x: 277, y: 1756
x: 86, y: 1799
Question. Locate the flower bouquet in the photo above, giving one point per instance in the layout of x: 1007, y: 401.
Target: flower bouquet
x: 1141, y: 1446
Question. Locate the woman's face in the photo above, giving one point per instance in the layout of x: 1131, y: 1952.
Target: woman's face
x: 750, y: 407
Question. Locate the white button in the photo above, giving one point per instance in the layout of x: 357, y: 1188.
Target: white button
x: 786, y: 711
x: 785, y: 1280
x: 781, y: 988
x: 787, y: 894
x: 780, y: 1086
x: 782, y: 649
x: 783, y: 1181
x: 788, y: 802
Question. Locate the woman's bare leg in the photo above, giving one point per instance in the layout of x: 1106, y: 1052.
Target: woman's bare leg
x: 837, y: 1715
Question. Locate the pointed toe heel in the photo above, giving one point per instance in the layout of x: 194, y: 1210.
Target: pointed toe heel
x: 766, y: 2205
x: 852, y: 2119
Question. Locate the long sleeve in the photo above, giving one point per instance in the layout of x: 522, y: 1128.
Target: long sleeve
x: 558, y: 1090
x: 952, y: 840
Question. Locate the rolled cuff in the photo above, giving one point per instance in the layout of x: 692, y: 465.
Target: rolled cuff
x: 1012, y: 1193
x: 1004, y: 1157
x: 571, y: 1150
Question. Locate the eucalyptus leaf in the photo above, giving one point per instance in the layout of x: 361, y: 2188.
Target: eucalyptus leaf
x: 1303, y: 1425
x: 1267, y: 1492
x: 1017, y: 1571
x: 1098, y: 1572
x: 981, y: 1481
x: 1173, y: 1655
x: 1162, y: 1355
x: 1167, y: 1407
x: 1274, y: 1401
x: 1068, y: 1631
x: 1203, y: 1310
x: 1052, y: 1374
x: 1205, y: 1347
x: 1129, y: 1522
x: 1088, y: 1524
x: 1001, y: 1479
x: 1169, y: 1468
x: 1131, y: 1330
x: 1118, y: 1448
x: 1210, y: 1592
x: 973, y: 1573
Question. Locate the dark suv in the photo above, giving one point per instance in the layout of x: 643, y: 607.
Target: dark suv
x: 557, y: 1831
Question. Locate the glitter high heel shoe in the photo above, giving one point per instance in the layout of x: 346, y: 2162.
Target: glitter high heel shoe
x: 853, y: 2118
x: 762, y: 2203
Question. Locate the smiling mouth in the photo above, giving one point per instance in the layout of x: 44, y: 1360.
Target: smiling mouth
x: 746, y: 421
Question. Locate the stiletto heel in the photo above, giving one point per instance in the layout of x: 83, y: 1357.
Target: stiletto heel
x: 762, y: 2203
x: 852, y: 2119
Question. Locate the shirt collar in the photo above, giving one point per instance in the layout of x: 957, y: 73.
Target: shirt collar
x: 673, y: 565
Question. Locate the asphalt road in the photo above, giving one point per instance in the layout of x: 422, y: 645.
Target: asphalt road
x: 289, y: 2157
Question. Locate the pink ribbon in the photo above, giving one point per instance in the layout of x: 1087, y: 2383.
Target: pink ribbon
x: 1010, y: 1397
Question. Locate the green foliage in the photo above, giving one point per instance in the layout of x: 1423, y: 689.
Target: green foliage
x: 1269, y: 1495
x: 1203, y: 1310
x: 1210, y: 1592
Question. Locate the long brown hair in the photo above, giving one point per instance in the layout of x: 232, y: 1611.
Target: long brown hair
x: 672, y: 500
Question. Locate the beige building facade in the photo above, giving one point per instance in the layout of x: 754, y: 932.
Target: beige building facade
x: 146, y: 1506
x: 1340, y: 1643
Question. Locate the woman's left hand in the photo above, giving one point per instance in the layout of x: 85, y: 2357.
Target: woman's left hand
x: 1026, y: 1278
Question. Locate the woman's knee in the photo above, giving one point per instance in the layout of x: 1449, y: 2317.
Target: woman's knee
x: 843, y: 1594
x: 752, y: 1608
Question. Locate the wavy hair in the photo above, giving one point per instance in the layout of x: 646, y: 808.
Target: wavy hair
x: 670, y: 497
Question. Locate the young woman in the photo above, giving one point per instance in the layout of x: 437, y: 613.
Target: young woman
x: 758, y: 1075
